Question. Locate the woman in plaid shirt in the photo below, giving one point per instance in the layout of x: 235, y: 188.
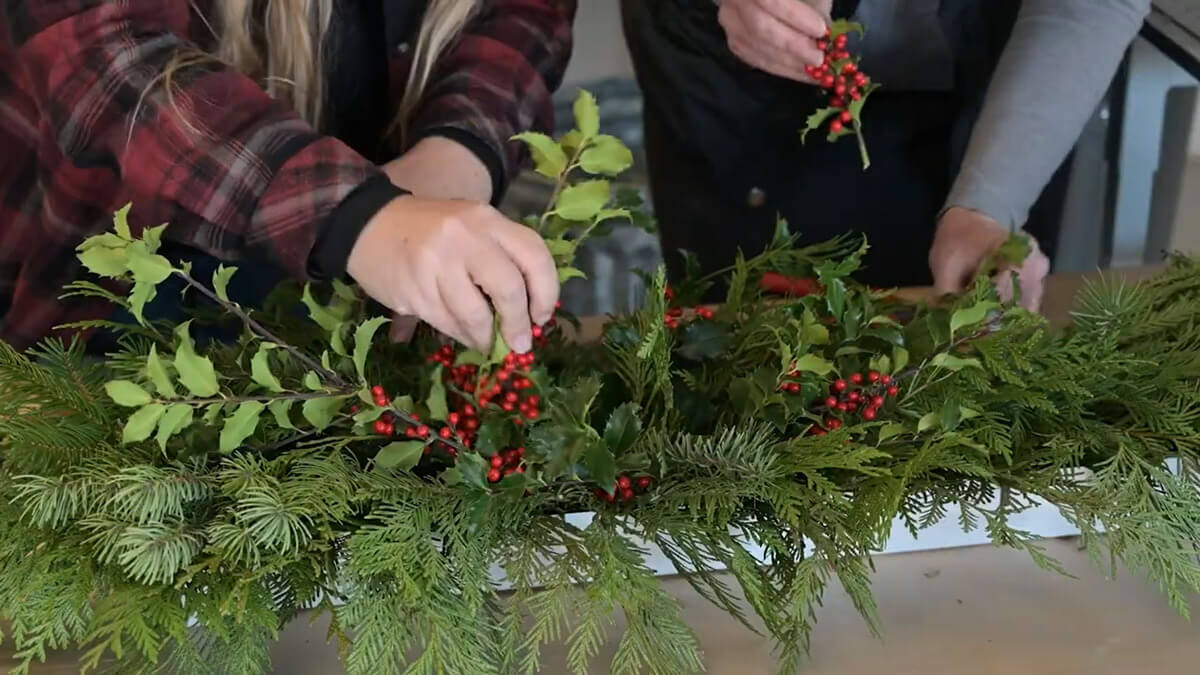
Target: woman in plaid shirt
x: 278, y: 132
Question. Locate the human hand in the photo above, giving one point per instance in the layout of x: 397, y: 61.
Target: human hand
x: 776, y: 36
x: 967, y: 239
x: 432, y: 258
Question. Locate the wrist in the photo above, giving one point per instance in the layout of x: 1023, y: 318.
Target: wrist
x: 344, y: 227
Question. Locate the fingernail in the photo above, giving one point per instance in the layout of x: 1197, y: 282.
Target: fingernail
x: 521, y: 344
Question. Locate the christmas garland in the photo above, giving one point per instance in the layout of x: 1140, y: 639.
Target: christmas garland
x: 172, y: 505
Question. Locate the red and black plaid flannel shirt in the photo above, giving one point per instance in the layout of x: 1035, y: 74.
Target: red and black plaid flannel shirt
x: 256, y: 182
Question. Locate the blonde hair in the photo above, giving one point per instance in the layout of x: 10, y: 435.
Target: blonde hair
x: 282, y: 45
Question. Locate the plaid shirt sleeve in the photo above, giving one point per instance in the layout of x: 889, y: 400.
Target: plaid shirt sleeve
x: 229, y: 178
x: 496, y: 81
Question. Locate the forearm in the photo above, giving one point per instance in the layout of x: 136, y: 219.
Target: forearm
x: 1054, y: 71
x: 439, y: 168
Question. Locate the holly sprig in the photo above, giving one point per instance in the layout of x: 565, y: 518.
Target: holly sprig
x: 845, y: 84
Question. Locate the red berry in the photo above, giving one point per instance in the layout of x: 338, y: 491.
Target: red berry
x: 855, y: 397
x: 494, y: 476
x: 893, y: 390
x: 849, y: 69
x: 818, y: 432
x: 856, y: 94
x: 822, y: 45
x: 668, y: 293
x: 853, y: 407
x: 833, y: 423
x: 877, y: 402
x: 410, y: 432
x: 381, y: 401
x: 508, y: 406
x: 626, y: 494
x: 520, y: 452
x: 377, y: 390
x: 422, y: 431
x: 885, y: 379
x: 536, y: 331
x: 497, y: 461
x: 445, y: 432
x: 511, y: 397
x: 831, y: 402
x: 521, y: 469
x: 839, y: 89
x: 381, y: 427
x: 856, y: 378
x: 532, y: 414
x: 846, y: 117
x: 836, y: 126
x: 872, y: 377
x: 837, y: 102
x: 827, y: 82
x: 869, y: 414
x: 643, y: 483
x: 623, y: 482
x: 840, y: 42
x: 839, y: 385
x: 860, y: 79
x: 452, y: 418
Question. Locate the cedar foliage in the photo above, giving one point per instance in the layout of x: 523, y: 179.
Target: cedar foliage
x: 171, y: 507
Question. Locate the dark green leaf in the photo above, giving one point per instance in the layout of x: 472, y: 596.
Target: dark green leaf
x: 890, y: 430
x: 951, y: 415
x: 816, y: 121
x: 493, y: 435
x: 514, y: 484
x: 474, y: 470
x: 899, y: 358
x: 623, y: 427
x: 403, y: 455
x: 705, y: 340
x: 363, y: 336
x: 436, y: 401
x: 971, y: 316
x: 240, y: 425
x: 600, y: 465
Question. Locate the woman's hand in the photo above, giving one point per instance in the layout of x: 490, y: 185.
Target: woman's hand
x: 431, y: 259
x: 965, y: 240
x: 776, y: 36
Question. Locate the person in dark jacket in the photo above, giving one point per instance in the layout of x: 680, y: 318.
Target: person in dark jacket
x: 979, y: 107
x: 312, y: 137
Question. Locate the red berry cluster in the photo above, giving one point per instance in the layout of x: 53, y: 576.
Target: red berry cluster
x: 840, y: 75
x: 625, y: 489
x: 388, y: 425
x: 862, y: 394
x: 505, y: 463
x: 675, y: 314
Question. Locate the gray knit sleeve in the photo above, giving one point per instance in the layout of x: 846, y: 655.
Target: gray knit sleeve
x: 1056, y: 67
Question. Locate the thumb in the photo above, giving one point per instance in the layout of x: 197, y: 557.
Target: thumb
x: 951, y: 274
x: 403, y: 327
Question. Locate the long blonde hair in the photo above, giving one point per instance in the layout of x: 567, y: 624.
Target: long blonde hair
x: 282, y: 45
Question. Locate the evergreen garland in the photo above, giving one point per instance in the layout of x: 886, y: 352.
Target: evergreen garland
x: 172, y: 506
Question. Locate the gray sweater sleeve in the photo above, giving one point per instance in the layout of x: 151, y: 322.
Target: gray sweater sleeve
x: 1055, y: 69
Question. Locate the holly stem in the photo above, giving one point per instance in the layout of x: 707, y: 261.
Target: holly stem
x: 862, y: 145
x: 305, y: 396
x: 560, y: 185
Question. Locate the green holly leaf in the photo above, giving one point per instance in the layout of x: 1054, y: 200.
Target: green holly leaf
x: 571, y: 404
x: 899, y: 359
x: 220, y: 281
x: 156, y: 370
x: 600, y: 464
x: 212, y: 411
x: 337, y: 341
x: 843, y: 26
x: 951, y: 415
x: 402, y: 456
x: 835, y: 289
x: 320, y: 411
x: 127, y: 394
x: 583, y: 201
x: 856, y: 105
x: 121, y: 222
x: 260, y: 369
x: 704, y: 340
x: 470, y: 357
x: 368, y: 415
x: 567, y: 273
x: 240, y: 425
x: 955, y: 363
x: 813, y: 333
x: 890, y: 430
x: 147, y: 267
x: 177, y: 418
x: 623, y: 427
x: 812, y: 363
x: 561, y: 249
x: 500, y: 348
x: 928, y: 421
x: 312, y: 382
x: 817, y: 120
x: 607, y: 156
x: 971, y: 316
x: 493, y: 435
x: 282, y: 410
x: 473, y: 469
x: 587, y: 114
x: 549, y: 159
x: 196, y: 372
x: 141, y: 423
x: 1015, y: 250
x: 436, y: 401
x: 319, y: 313
x: 143, y: 293
x: 363, y: 336
x: 104, y: 261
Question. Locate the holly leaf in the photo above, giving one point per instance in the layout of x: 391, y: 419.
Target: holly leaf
x: 560, y: 249
x: 572, y: 403
x: 623, y: 427
x: 843, y: 26
x: 403, y: 455
x: 812, y: 363
x: 567, y: 273
x: 367, y: 415
x: 196, y: 372
x: 156, y: 370
x: 240, y: 425
x: 127, y: 394
x: 282, y: 410
x: 473, y: 469
x: 141, y: 423
x: 928, y: 421
x: 549, y: 159
x: 260, y: 368
x: 363, y: 336
x: 971, y: 316
x: 607, y: 156
x: 436, y: 401
x: 951, y: 415
x: 143, y: 293
x: 104, y: 261
x: 320, y: 411
x: 583, y: 200
x: 319, y: 313
x: 500, y: 348
x: 514, y: 484
x: 571, y: 142
x: 212, y: 411
x: 835, y: 295
x: 147, y: 267
x: 587, y: 114
x: 856, y: 105
x: 177, y: 418
x: 890, y: 430
x: 311, y: 381
x: 704, y: 340
x: 121, y: 222
x: 492, y: 436
x: 337, y: 342
x: 470, y: 357
x: 220, y: 281
x: 813, y: 332
x: 817, y: 120
x: 600, y: 465
x: 954, y: 363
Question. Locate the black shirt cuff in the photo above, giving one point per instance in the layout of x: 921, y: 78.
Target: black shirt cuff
x: 477, y: 147
x: 331, y: 253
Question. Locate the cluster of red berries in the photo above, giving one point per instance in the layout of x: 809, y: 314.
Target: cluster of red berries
x: 675, y: 314
x: 505, y: 463
x: 862, y: 394
x: 625, y: 489
x: 388, y: 425
x: 840, y: 75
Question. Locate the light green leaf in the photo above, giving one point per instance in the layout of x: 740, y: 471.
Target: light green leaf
x: 344, y: 291
x: 318, y: 312
x: 623, y: 427
x: 196, y: 372
x: 500, y: 348
x: 571, y: 142
x: 548, y: 157
x: 312, y: 382
x: 220, y: 281
x: 560, y: 248
x: 177, y: 418
x: 473, y: 470
x: 968, y: 413
x: 337, y: 342
x: 813, y: 332
x: 899, y: 359
x: 367, y: 415
x: 127, y: 394
x: 121, y: 222
x: 320, y: 411
x: 971, y: 315
x: 147, y: 267
x: 157, y: 371
x: 844, y: 26
x: 260, y: 368
x: 811, y: 363
x: 929, y: 421
x: 436, y: 401
x: 955, y: 363
x: 403, y: 455
x: 582, y: 201
x: 141, y: 424
x: 403, y: 403
x: 212, y: 412
x: 587, y: 114
x: 143, y: 293
x: 607, y: 156
x: 105, y: 261
x: 325, y: 362
x: 282, y: 409
x: 240, y: 425
x: 363, y: 336
x: 152, y: 237
x: 470, y: 357
x: 885, y: 320
x: 890, y: 430
x: 566, y: 273
x: 816, y: 120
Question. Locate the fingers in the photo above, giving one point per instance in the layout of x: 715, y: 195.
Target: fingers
x: 798, y: 16
x: 467, y: 306
x: 952, y: 273
x: 528, y: 252
x: 765, y: 42
x: 504, y: 284
x: 403, y: 327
